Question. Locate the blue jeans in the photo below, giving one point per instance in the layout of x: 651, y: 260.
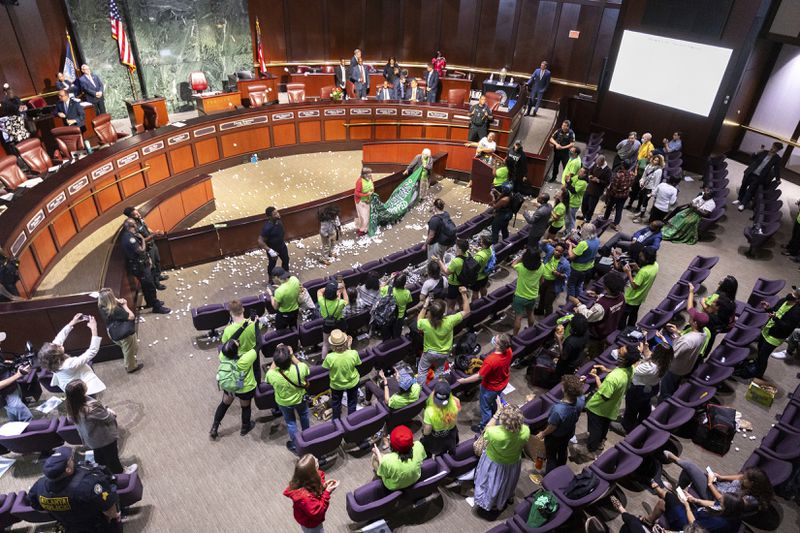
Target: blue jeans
x: 569, y: 223
x: 575, y: 282
x: 289, y: 416
x: 336, y: 401
x: 16, y: 409
x: 669, y: 384
x: 488, y: 403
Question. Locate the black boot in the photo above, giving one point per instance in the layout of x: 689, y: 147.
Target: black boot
x: 214, y: 433
x: 247, y: 428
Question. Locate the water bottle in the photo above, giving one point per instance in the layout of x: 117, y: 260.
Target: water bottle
x: 254, y: 158
x: 88, y: 147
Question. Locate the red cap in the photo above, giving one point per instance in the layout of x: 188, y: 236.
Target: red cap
x: 401, y: 439
x: 698, y: 316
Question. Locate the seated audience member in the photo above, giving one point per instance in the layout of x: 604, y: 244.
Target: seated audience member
x: 649, y: 235
x: 670, y: 145
x: 562, y: 421
x: 437, y: 333
x: 683, y: 226
x: 498, y: 469
x: 530, y: 271
x: 415, y: 93
x: 286, y: 299
x: 582, y: 256
x: 606, y: 311
x: 245, y: 388
x: 571, y: 345
x: 557, y: 269
x: 400, y: 88
x: 310, y: 493
x: 784, y: 319
x: 538, y: 219
x: 439, y: 429
x: 721, y: 516
x: 289, y: 379
x: 644, y: 524
x: 647, y: 374
x: 369, y: 292
x: 483, y: 257
x: 397, y: 392
x: 385, y: 92
x: 618, y: 191
x: 354, y: 306
x: 402, y: 298
x: 342, y: 361
x: 66, y: 368
x: 603, y: 407
x: 646, y: 269
x: 403, y: 466
x: 687, y: 347
x: 493, y: 375
x: 599, y: 177
x: 665, y: 195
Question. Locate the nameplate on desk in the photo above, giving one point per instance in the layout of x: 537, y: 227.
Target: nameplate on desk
x: 57, y: 201
x: 243, y: 122
x: 337, y: 112
x: 311, y: 113
x: 34, y: 222
x: 150, y: 148
x: 385, y: 111
x: 361, y: 111
x: 495, y: 122
x: 17, y: 244
x: 78, y: 185
x: 175, y: 139
x: 438, y: 114
x: 461, y: 117
x: 102, y: 171
x: 283, y: 116
x: 204, y: 131
x: 411, y: 112
x: 128, y: 159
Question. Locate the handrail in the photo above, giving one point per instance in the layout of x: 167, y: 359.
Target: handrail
x: 770, y: 134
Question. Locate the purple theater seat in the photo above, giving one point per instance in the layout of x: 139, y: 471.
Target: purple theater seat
x: 770, y: 287
x: 727, y: 355
x: 586, y: 369
x: 711, y: 374
x: 703, y: 263
x: 310, y: 333
x: 692, y: 395
x: 558, y: 480
x: 389, y: 353
x: 777, y: 470
x: 755, y: 299
x: 669, y: 416
x: 265, y: 397
x: 253, y: 304
x: 371, y: 501
x: 417, y: 254
x: 351, y: 277
x: 321, y: 439
x: 378, y: 266
x: 318, y: 380
x: 536, y: 412
x: 522, y: 345
x: 742, y: 336
x: 466, y: 231
x: 271, y: 339
x: 480, y: 310
x: 364, y: 423
x: 462, y: 460
x: 518, y: 523
x: 452, y: 378
x: 6, y: 504
x: 503, y: 296
x: 789, y: 419
x: 781, y: 444
x: 434, y: 471
x: 40, y: 436
x: 616, y: 463
x: 68, y: 431
x: 45, y: 377
x: 358, y: 322
x: 404, y: 415
x: 695, y: 277
x: 313, y: 286
x: 210, y: 318
x: 751, y: 319
x: 129, y: 489
x: 654, y: 319
x: 397, y: 261
x: 367, y: 361
x: 21, y: 509
x: 501, y: 528
x: 29, y: 386
x: 645, y: 440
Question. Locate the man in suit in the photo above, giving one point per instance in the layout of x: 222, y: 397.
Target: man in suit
x: 385, y: 92
x: 765, y: 168
x: 355, y: 59
x: 340, y: 75
x: 400, y: 89
x: 63, y: 84
x: 415, y: 93
x: 92, y: 87
x: 432, y: 81
x: 360, y: 78
x: 70, y: 110
x: 537, y: 85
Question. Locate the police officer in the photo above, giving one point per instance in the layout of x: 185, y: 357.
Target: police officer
x: 81, y: 498
x: 150, y: 243
x: 479, y: 117
x: 271, y: 240
x: 562, y: 140
x: 139, y: 264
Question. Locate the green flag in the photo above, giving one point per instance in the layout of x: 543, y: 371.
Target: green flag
x: 397, y: 205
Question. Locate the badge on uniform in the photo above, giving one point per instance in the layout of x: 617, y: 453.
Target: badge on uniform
x: 98, y: 488
x: 133, y: 240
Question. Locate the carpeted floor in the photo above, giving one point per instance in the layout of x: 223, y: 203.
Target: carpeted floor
x: 236, y: 483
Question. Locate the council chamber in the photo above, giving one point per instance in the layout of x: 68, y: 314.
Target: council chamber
x: 400, y: 265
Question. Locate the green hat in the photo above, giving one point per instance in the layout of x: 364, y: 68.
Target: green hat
x: 543, y: 507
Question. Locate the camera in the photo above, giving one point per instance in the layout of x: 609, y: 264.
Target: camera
x: 19, y: 360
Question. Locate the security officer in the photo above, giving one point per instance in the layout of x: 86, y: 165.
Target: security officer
x: 139, y: 264
x: 150, y: 243
x: 479, y: 117
x: 82, y: 498
x: 272, y: 241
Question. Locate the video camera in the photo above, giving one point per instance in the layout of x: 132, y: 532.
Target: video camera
x: 13, y: 362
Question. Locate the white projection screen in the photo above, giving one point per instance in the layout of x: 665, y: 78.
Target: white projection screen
x: 680, y: 74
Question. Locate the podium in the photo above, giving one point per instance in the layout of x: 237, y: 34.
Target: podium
x: 482, y: 175
x: 218, y: 102
x: 136, y: 113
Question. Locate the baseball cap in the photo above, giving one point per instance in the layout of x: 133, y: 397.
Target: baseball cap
x: 401, y: 439
x: 280, y: 273
x: 441, y: 393
x: 405, y: 381
x: 56, y: 464
x: 698, y: 316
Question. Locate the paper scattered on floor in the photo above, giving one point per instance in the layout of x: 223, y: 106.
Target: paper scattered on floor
x: 6, y: 464
x: 11, y: 429
x: 509, y: 389
x: 52, y: 403
x: 470, y: 501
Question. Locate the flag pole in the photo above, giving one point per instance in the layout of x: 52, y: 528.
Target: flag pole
x: 134, y: 51
x: 133, y: 86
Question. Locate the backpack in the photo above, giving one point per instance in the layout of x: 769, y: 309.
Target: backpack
x: 716, y: 430
x: 447, y: 231
x: 491, y: 263
x: 516, y: 204
x: 470, y: 270
x: 581, y: 485
x: 385, y: 311
x: 438, y: 291
x: 467, y: 344
x: 543, y: 372
x: 229, y: 377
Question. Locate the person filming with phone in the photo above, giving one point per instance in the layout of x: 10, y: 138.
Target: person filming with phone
x: 65, y: 368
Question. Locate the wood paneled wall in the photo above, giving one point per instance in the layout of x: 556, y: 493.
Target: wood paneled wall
x: 517, y: 34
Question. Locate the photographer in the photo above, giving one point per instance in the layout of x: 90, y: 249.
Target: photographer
x: 10, y: 372
x: 65, y: 368
x: 646, y: 270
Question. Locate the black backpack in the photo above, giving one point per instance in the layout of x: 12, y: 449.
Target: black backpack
x: 467, y: 344
x: 470, y: 270
x: 716, y: 429
x: 447, y: 230
x: 516, y: 204
x: 438, y: 290
x: 385, y: 311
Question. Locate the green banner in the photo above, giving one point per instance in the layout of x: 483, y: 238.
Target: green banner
x: 397, y: 205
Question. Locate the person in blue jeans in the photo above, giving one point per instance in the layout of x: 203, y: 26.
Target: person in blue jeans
x: 561, y: 422
x: 493, y: 375
x: 289, y: 379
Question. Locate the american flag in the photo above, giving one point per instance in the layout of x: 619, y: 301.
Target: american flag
x: 118, y: 33
x: 262, y: 64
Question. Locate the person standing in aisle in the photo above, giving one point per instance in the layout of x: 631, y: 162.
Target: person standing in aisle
x: 363, y: 196
x: 272, y: 241
x: 562, y: 140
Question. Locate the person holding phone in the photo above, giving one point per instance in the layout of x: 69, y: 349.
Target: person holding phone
x: 493, y: 375
x: 561, y: 422
x: 310, y: 494
x: 66, y: 368
x: 784, y: 318
x: 289, y: 379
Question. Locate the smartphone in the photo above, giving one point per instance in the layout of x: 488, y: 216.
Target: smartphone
x: 85, y: 318
x: 503, y: 400
x: 681, y: 494
x: 711, y: 473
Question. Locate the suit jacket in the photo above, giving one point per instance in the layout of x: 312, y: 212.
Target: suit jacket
x: 66, y: 86
x: 385, y: 94
x: 420, y: 96
x: 400, y: 89
x: 771, y: 171
x: 539, y: 80
x: 353, y: 62
x: 73, y: 111
x: 91, y: 89
x: 355, y: 74
x: 432, y: 79
x: 340, y: 75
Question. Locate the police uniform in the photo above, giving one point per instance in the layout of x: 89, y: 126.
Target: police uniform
x: 152, y: 249
x: 273, y: 234
x: 561, y: 157
x: 138, y: 263
x: 478, y: 123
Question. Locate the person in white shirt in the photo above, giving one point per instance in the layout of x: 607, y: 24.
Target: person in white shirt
x: 665, y: 195
x: 65, y: 368
x: 485, y: 147
x: 683, y: 227
x: 650, y: 179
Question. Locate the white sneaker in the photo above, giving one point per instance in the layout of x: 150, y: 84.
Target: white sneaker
x: 741, y: 208
x: 735, y: 202
x: 778, y: 355
x: 131, y: 469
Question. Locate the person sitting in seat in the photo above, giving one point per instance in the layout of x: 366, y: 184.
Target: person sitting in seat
x: 403, y: 466
x: 683, y: 226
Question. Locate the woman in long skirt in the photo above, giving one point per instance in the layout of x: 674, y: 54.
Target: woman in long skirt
x: 363, y: 196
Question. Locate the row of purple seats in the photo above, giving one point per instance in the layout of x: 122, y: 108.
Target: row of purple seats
x: 766, y: 217
x: 212, y: 317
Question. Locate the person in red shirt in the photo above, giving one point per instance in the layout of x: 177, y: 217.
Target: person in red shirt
x: 493, y: 376
x: 310, y: 493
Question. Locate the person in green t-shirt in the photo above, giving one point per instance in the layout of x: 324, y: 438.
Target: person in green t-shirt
x: 403, y: 467
x: 559, y: 213
x: 603, y: 407
x: 500, y: 176
x: 529, y: 276
x: 582, y: 257
x: 332, y: 300
x: 439, y: 420
x: 402, y: 298
x: 437, y: 333
x: 500, y: 464
x: 289, y: 379
x: 247, y: 338
x: 286, y: 299
x: 646, y: 270
x: 573, y: 165
x: 245, y: 393
x: 482, y: 256
x: 576, y: 185
x: 343, y: 363
x: 453, y: 271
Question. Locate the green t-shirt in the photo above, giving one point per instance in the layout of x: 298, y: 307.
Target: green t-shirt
x: 557, y: 217
x: 766, y: 332
x: 245, y: 364
x: 528, y: 281
x: 613, y: 388
x: 504, y: 447
x: 344, y: 369
x: 287, y: 295
x: 549, y: 267
x: 397, y: 474
x: 439, y: 340
x: 287, y: 394
x: 441, y: 418
x: 332, y: 308
x: 644, y: 279
x: 482, y: 257
x: 579, y: 250
x: 572, y: 167
x: 401, y: 296
x: 500, y: 177
x: 455, y: 266
x: 576, y: 198
x: 398, y: 401
x: 247, y: 339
